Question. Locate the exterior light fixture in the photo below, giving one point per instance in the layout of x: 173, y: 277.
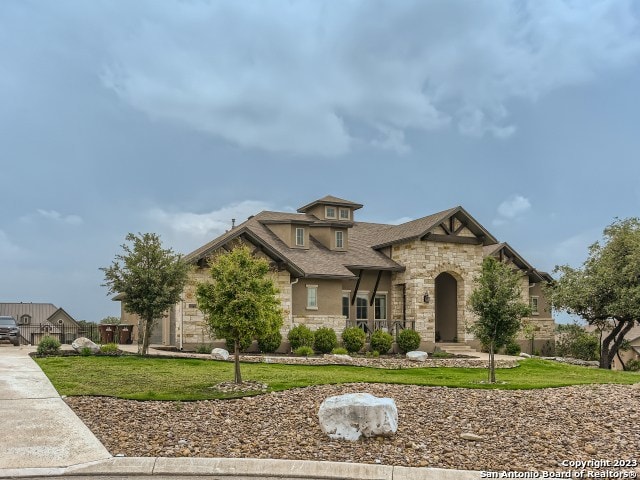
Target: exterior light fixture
x: 426, y: 297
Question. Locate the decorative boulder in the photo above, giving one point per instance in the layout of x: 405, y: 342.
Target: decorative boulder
x: 525, y: 355
x: 339, y: 357
x: 219, y: 354
x: 81, y: 343
x: 352, y: 415
x: 417, y: 356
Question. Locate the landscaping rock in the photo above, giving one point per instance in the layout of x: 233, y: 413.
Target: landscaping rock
x: 219, y: 354
x: 417, y: 356
x: 81, y: 343
x: 352, y: 415
x: 339, y: 358
x: 471, y: 437
x: 525, y: 355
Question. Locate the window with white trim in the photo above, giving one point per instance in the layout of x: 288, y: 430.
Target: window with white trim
x: 300, y: 237
x: 339, y: 239
x: 534, y: 306
x: 312, y: 297
x: 380, y: 307
x: 362, y: 307
x: 344, y: 214
x: 330, y: 212
x: 346, y: 304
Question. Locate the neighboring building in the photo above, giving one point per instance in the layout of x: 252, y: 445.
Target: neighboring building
x: 633, y: 353
x: 334, y: 271
x: 37, y: 320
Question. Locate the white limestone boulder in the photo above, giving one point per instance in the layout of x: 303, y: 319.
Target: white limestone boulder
x: 352, y: 415
x: 525, y: 355
x: 81, y: 343
x: 417, y: 356
x: 219, y: 354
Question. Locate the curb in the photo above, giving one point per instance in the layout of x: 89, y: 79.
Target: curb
x: 245, y: 468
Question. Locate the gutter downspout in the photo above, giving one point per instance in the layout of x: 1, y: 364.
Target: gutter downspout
x: 181, y: 322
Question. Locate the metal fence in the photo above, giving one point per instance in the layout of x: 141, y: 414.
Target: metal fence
x: 32, y: 334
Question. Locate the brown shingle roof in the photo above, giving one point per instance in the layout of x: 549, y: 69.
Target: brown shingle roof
x: 365, y: 240
x: 331, y: 200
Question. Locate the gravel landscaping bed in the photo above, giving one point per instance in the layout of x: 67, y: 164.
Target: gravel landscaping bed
x: 521, y: 430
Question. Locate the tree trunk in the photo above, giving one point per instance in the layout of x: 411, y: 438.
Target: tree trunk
x: 492, y: 369
x: 624, y: 367
x: 628, y: 325
x: 616, y: 336
x: 148, y: 327
x: 236, y: 353
x: 140, y: 335
x: 605, y: 361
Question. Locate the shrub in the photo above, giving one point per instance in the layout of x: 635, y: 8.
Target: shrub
x: 340, y: 351
x: 300, y: 336
x: 353, y: 339
x: 512, y: 348
x: 85, y: 352
x: 303, y: 351
x: 109, y: 348
x: 324, y: 340
x: 373, y: 354
x: 48, y: 346
x: 203, y: 348
x: 381, y: 341
x: 441, y: 354
x: 270, y: 342
x: 244, y: 345
x: 633, y: 365
x: 408, y: 340
x: 575, y: 342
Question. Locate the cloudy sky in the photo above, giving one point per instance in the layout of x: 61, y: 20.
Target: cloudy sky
x: 176, y: 116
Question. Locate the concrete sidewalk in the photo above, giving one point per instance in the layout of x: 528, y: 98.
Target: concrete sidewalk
x: 39, y: 429
x: 42, y: 437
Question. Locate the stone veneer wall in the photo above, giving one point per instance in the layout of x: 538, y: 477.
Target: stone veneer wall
x: 424, y: 261
x: 190, y: 322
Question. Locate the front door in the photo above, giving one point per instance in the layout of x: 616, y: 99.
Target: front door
x: 446, y: 293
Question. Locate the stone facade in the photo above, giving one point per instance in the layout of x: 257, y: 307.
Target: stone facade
x: 424, y: 261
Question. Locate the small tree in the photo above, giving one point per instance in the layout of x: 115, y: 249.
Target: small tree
x: 150, y: 278
x: 498, y: 304
x: 241, y: 303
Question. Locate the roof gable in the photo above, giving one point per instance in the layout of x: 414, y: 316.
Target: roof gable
x: 438, y: 227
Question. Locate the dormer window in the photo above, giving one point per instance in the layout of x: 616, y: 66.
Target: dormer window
x: 339, y: 239
x: 299, y: 237
x: 25, y: 320
x: 330, y: 212
x: 345, y: 214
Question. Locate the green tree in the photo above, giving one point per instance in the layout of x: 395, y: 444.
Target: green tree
x: 150, y: 278
x: 241, y: 303
x: 607, y: 286
x: 110, y: 321
x: 497, y: 302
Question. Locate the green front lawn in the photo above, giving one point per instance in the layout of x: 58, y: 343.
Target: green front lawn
x: 142, y: 378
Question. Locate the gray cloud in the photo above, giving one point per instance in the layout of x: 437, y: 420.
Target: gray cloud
x: 328, y: 66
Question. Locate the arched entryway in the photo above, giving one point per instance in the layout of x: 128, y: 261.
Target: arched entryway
x: 446, y: 293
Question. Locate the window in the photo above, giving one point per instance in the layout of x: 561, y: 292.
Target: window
x: 330, y: 212
x: 380, y: 307
x: 362, y: 308
x: 339, y: 239
x: 312, y: 297
x: 534, y: 306
x: 344, y: 214
x: 25, y: 320
x: 300, y: 237
x: 345, y: 304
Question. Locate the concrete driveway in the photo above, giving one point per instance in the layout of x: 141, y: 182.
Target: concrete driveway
x: 38, y: 428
